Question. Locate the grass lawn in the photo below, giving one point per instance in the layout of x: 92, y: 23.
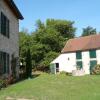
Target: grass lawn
x: 55, y: 87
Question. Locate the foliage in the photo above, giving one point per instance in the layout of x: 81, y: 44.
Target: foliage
x: 1, y: 83
x: 6, y: 80
x: 96, y: 70
x: 50, y: 56
x: 64, y: 27
x: 89, y: 31
x: 28, y: 64
x: 46, y: 42
x: 24, y: 44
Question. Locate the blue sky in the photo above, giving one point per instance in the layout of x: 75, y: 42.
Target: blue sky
x: 83, y: 12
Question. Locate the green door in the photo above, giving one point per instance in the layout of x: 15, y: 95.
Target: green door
x: 92, y: 65
x: 53, y: 68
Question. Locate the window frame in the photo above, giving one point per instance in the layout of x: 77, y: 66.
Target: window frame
x: 78, y: 55
x: 79, y: 62
x: 92, y: 53
x: 4, y: 62
x: 5, y: 25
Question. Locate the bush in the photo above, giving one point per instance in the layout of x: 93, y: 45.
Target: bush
x: 5, y: 81
x: 96, y: 70
x: 63, y: 72
x: 2, y: 84
x: 66, y: 73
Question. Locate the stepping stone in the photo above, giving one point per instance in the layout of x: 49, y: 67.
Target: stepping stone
x: 9, y: 98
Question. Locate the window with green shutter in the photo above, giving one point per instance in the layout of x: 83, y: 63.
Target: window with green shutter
x: 93, y: 63
x: 4, y: 25
x: 92, y: 53
x: 78, y: 55
x: 4, y: 62
x: 79, y: 64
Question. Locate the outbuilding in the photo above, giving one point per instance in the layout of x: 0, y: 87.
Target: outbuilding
x: 79, y: 53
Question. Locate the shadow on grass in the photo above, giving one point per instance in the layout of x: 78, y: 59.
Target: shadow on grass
x: 26, y: 78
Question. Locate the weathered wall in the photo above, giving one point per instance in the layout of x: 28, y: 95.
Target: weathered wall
x: 10, y: 45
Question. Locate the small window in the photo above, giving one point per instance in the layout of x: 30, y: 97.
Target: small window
x: 4, y: 25
x: 92, y: 53
x: 4, y: 63
x: 68, y: 58
x: 79, y: 64
x: 78, y: 55
x: 57, y: 67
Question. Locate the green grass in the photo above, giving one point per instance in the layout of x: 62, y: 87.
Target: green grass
x: 55, y: 87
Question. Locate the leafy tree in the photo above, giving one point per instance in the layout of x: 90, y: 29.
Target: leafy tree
x: 28, y: 64
x: 24, y: 47
x: 50, y: 56
x: 46, y: 42
x: 64, y: 27
x: 89, y: 31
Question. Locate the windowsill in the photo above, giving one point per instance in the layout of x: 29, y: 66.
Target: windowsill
x: 4, y: 36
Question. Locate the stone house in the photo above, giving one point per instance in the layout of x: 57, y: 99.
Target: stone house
x: 9, y: 37
x: 78, y: 53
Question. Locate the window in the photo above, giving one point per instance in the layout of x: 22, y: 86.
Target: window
x: 79, y: 64
x: 4, y: 63
x: 4, y: 25
x: 92, y: 53
x: 78, y: 55
x: 93, y: 63
x: 57, y: 67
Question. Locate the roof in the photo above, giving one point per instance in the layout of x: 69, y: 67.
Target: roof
x: 14, y: 9
x: 82, y: 44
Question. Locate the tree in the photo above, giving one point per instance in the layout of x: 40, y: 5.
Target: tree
x: 24, y: 44
x: 28, y: 64
x: 64, y: 27
x: 50, y: 56
x: 89, y: 31
x: 46, y: 42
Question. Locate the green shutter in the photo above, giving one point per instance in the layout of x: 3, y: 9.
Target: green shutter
x: 92, y: 64
x: 92, y: 53
x: 78, y: 55
x: 4, y: 25
x: 79, y: 64
x: 4, y: 60
x: 7, y: 63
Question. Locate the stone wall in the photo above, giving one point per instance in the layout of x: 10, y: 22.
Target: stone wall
x: 10, y: 45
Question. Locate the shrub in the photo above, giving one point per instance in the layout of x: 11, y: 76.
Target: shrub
x: 63, y: 72
x: 2, y: 84
x: 66, y: 73
x: 5, y: 81
x: 96, y: 70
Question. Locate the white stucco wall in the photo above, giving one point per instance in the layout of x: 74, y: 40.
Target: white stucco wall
x: 98, y: 56
x: 69, y: 65
x: 86, y: 61
x: 64, y: 63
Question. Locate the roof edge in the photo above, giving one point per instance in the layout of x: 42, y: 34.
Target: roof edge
x: 80, y: 50
x: 14, y: 9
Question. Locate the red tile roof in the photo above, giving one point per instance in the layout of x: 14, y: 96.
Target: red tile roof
x: 82, y: 44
